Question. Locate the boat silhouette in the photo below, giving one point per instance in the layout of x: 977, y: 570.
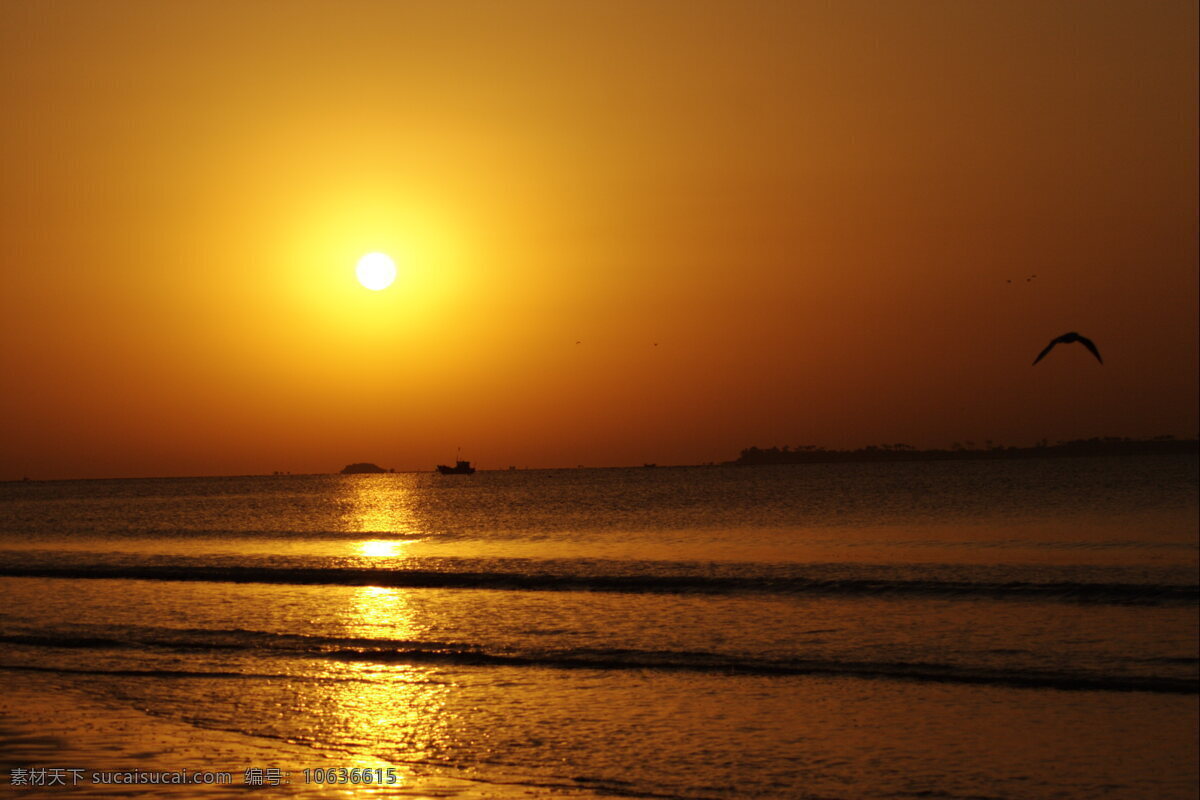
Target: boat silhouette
x: 460, y: 468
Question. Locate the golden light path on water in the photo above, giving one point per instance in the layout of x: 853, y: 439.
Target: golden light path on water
x: 380, y: 504
x: 383, y: 548
x: 389, y: 714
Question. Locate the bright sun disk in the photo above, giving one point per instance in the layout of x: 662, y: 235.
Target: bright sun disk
x: 376, y: 271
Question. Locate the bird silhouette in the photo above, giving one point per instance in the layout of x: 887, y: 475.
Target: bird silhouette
x: 1067, y: 338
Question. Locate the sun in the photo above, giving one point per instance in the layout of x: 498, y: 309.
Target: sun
x: 376, y: 271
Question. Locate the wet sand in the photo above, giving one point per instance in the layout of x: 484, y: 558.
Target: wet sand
x: 44, y: 725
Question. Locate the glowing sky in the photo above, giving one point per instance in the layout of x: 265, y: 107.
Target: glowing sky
x: 764, y: 223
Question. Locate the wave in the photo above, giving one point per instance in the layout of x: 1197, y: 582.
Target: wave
x: 261, y: 644
x: 170, y: 673
x: 1067, y: 591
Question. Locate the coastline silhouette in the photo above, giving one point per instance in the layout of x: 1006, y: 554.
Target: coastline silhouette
x: 1096, y: 446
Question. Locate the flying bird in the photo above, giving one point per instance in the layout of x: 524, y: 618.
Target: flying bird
x: 1067, y: 338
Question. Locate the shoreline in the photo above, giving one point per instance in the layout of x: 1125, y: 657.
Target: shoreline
x: 50, y: 723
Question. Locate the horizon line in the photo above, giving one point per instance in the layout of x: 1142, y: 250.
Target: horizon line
x: 814, y: 450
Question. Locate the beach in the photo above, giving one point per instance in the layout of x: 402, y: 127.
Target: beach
x: 83, y: 748
x: 801, y: 631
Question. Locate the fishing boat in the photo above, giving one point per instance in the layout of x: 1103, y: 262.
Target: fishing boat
x: 460, y: 468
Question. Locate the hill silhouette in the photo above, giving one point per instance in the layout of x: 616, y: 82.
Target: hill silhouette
x: 363, y: 467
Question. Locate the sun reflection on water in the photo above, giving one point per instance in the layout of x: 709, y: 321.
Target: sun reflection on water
x: 386, y: 508
x: 381, y: 612
x: 381, y: 504
x: 383, y: 548
x: 395, y: 710
x: 398, y: 714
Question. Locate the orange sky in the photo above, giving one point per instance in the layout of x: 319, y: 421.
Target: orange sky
x: 813, y: 208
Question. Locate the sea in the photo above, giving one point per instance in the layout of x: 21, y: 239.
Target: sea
x: 1022, y: 628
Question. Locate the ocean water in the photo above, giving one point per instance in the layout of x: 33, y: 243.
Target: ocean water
x: 1003, y: 629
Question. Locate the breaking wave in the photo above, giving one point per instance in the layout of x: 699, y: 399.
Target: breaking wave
x: 259, y: 645
x: 1064, y: 591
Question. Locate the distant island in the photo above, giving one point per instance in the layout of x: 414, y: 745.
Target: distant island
x: 1096, y: 446
x: 363, y: 467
